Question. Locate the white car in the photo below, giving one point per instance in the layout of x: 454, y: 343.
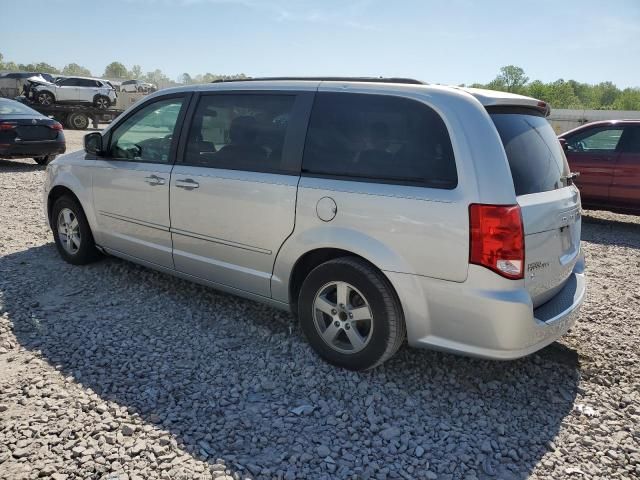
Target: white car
x: 133, y: 86
x: 96, y: 92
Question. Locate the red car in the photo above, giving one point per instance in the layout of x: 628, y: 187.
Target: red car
x: 607, y: 156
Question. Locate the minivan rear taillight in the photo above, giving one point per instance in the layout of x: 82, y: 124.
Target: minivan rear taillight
x: 497, y: 239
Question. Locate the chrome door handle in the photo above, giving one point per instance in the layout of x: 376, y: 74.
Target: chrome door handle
x: 187, y: 184
x: 154, y: 180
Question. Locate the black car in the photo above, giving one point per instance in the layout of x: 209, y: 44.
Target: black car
x: 25, y: 133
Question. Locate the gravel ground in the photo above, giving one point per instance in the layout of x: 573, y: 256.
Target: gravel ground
x: 114, y: 371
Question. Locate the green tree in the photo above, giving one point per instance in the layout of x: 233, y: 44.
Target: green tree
x: 41, y: 67
x: 158, y: 78
x: 186, y: 79
x: 628, y: 99
x: 45, y: 68
x: 561, y: 95
x: 136, y: 72
x: 537, y: 89
x: 513, y: 78
x: 497, y: 84
x: 73, y: 69
x: 605, y: 94
x: 115, y: 70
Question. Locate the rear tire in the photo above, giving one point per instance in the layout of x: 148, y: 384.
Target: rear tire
x: 336, y: 328
x: 72, y: 233
x: 44, y: 160
x: 101, y: 102
x: 77, y: 121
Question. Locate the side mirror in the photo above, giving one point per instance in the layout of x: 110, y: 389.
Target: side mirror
x: 93, y: 143
x: 563, y: 144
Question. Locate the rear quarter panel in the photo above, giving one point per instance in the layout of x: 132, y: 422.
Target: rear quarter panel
x: 406, y: 229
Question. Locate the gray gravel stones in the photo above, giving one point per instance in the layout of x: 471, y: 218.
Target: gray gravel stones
x: 115, y: 371
x: 323, y: 451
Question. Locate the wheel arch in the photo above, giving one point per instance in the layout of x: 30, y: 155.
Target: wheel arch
x: 301, y: 252
x: 44, y: 90
x: 55, y: 193
x: 76, y: 184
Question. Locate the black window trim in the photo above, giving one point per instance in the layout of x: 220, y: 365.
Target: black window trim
x: 380, y: 180
x: 179, y: 128
x: 624, y: 138
x: 293, y: 147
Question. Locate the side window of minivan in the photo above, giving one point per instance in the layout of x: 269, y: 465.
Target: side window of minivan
x: 146, y: 136
x: 239, y: 131
x: 378, y: 138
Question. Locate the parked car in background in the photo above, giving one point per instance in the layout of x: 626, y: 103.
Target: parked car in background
x: 78, y: 90
x: 374, y: 209
x: 607, y: 156
x: 12, y: 84
x: 137, y: 86
x: 25, y: 133
x: 24, y: 75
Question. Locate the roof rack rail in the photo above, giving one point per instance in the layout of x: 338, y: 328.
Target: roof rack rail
x: 411, y: 81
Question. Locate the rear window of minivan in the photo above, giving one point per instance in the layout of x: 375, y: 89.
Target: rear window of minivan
x: 534, y: 153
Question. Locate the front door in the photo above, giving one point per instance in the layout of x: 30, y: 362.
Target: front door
x: 131, y: 183
x: 625, y: 189
x: 233, y: 194
x: 67, y: 90
x: 593, y: 154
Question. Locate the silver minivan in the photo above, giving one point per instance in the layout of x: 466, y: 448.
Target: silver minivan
x: 374, y: 209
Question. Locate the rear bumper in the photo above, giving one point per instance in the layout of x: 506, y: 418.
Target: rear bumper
x: 33, y: 149
x: 469, y: 319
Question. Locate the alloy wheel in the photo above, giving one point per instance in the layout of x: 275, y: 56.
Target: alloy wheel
x: 69, y: 231
x: 343, y: 318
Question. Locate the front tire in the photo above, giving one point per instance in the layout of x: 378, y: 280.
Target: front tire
x: 45, y: 98
x: 350, y: 314
x: 72, y: 233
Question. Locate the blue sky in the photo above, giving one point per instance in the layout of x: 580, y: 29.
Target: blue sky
x: 451, y: 41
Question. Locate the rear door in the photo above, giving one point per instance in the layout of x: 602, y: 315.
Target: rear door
x: 131, y: 182
x: 625, y: 189
x: 233, y: 192
x: 550, y: 207
x: 593, y: 153
x: 87, y: 89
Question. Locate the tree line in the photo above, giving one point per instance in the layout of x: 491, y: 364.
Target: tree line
x: 565, y: 93
x: 115, y: 71
x: 559, y: 94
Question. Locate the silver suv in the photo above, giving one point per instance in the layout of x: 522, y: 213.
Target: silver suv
x: 374, y: 210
